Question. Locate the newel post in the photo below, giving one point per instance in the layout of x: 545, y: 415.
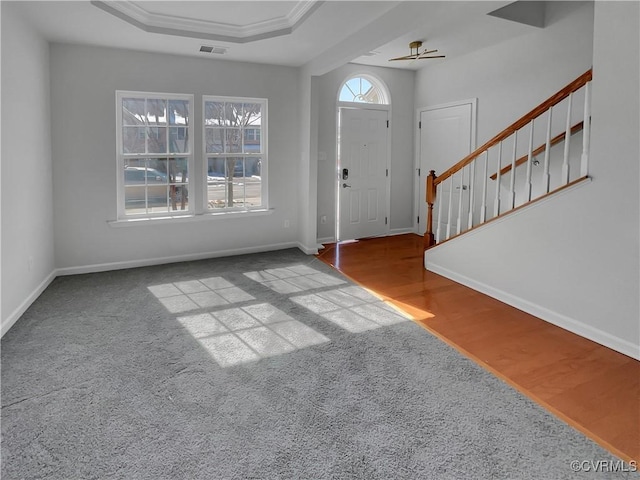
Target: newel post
x: 429, y: 239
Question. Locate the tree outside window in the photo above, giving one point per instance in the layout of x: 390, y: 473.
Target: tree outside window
x: 235, y: 154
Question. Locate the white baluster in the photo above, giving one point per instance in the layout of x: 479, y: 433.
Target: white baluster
x: 450, y: 206
x: 483, y: 208
x: 527, y: 184
x: 567, y: 142
x: 439, y: 200
x: 512, y: 183
x: 496, y: 203
x: 472, y: 179
x: 586, y: 131
x: 546, y: 178
x: 459, y: 225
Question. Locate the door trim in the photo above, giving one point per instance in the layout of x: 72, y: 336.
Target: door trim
x: 362, y: 106
x: 417, y: 146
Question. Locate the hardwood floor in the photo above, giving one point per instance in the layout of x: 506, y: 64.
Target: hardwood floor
x: 591, y: 387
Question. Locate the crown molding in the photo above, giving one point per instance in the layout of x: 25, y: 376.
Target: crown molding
x: 137, y: 16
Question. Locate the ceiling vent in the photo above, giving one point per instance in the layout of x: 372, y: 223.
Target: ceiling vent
x: 212, y: 49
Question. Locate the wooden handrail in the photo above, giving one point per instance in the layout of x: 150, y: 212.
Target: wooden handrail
x: 518, y: 124
x: 554, y: 141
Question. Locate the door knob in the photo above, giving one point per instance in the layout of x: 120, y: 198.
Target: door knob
x: 344, y: 185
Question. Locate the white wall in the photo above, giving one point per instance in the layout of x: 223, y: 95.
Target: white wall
x: 83, y: 84
x: 27, y: 213
x: 400, y: 84
x: 514, y: 76
x: 308, y: 165
x: 573, y: 260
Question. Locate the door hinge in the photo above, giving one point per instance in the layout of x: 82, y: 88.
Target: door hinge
x: 387, y: 172
x: 420, y: 124
x: 419, y: 172
x: 418, y: 220
x: 385, y: 220
x: 387, y: 123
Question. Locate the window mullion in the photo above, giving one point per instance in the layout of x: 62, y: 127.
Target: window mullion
x: 146, y: 188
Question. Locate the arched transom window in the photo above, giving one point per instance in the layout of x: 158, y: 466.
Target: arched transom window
x: 363, y: 89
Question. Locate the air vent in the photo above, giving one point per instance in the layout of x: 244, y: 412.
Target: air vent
x: 212, y: 49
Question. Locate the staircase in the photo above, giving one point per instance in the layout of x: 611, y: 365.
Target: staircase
x: 550, y: 143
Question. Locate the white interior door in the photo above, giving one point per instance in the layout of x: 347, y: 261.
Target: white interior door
x: 446, y: 136
x: 362, y: 170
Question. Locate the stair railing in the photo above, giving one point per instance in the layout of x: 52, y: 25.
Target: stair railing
x: 470, y: 213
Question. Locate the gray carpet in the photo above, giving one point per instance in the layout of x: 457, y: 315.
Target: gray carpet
x: 261, y: 366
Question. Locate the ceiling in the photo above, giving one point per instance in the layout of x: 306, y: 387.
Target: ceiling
x: 291, y: 33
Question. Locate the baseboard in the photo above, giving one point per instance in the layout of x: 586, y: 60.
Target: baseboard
x: 400, y: 231
x: 326, y: 240
x: 103, y: 267
x: 391, y: 233
x: 603, y: 338
x: 18, y: 312
x: 308, y: 250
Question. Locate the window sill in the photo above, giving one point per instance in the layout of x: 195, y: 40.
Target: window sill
x: 208, y: 216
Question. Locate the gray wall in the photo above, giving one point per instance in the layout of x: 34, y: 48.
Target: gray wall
x: 27, y: 213
x: 401, y: 85
x: 573, y: 259
x: 83, y: 84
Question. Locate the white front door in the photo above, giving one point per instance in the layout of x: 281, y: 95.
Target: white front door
x: 446, y: 137
x: 363, y: 173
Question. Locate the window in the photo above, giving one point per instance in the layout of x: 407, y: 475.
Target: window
x: 363, y: 89
x: 155, y: 154
x: 156, y: 161
x: 235, y: 153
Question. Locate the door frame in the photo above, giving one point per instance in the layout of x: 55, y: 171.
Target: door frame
x: 421, y: 176
x: 362, y: 106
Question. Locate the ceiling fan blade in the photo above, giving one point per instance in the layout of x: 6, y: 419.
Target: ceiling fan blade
x: 418, y: 55
x: 435, y: 56
x: 407, y: 57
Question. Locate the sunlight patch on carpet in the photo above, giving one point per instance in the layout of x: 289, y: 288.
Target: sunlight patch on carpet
x: 236, y: 330
x: 351, y: 308
x: 179, y: 297
x: 239, y: 335
x: 293, y: 279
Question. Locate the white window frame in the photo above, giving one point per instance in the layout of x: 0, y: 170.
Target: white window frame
x: 122, y: 157
x: 263, y: 155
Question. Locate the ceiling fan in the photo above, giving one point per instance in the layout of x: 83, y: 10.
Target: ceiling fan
x: 417, y: 55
